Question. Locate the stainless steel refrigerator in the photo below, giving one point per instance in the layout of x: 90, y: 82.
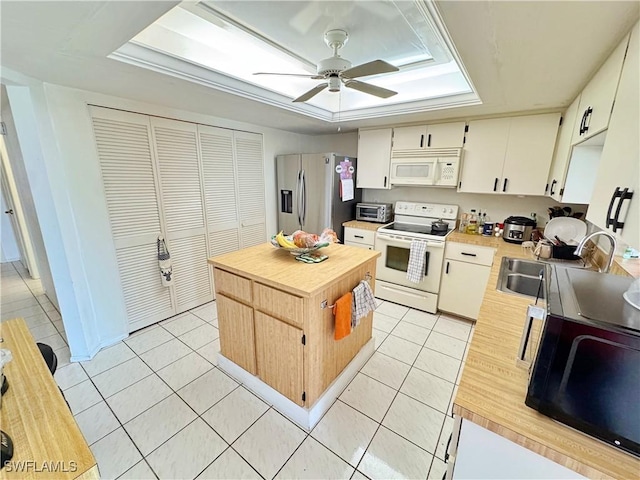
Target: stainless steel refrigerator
x: 316, y: 191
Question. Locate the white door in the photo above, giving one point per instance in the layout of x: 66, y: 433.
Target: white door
x: 532, y: 140
x: 410, y: 138
x: 557, y: 174
x: 483, y: 156
x: 177, y: 150
x: 126, y: 156
x: 220, y: 186
x: 462, y: 288
x: 374, y: 156
x: 619, y: 164
x: 250, y: 173
x: 598, y: 96
x: 445, y: 135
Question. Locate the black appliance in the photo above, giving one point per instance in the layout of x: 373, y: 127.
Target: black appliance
x: 518, y: 229
x: 587, y: 370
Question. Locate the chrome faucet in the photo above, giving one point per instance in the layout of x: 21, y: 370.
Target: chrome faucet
x: 612, y: 239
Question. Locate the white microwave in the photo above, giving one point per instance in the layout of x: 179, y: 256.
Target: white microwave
x: 434, y: 167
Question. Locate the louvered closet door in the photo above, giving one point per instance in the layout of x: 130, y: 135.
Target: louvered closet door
x: 176, y: 145
x: 218, y: 167
x: 126, y: 160
x: 250, y: 168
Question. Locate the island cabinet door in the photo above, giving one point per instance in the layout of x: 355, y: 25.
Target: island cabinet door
x: 279, y: 352
x: 237, y: 339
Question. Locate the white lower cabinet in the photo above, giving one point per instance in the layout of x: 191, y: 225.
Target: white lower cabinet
x: 480, y: 453
x: 358, y: 237
x: 464, y: 278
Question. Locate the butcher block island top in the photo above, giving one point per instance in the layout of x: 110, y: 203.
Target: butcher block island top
x: 277, y: 327
x: 280, y: 269
x: 493, y: 388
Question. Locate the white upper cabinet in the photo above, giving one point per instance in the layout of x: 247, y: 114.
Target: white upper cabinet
x: 620, y: 162
x: 442, y: 135
x: 562, y: 154
x: 483, y: 156
x: 509, y: 155
x: 597, y: 97
x: 374, y: 157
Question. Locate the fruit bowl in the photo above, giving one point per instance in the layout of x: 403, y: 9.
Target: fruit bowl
x: 298, y: 251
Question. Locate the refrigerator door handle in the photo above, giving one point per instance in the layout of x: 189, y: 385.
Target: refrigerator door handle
x: 304, y: 198
x: 299, y: 198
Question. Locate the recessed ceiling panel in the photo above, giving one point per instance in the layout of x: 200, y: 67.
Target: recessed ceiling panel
x: 224, y: 44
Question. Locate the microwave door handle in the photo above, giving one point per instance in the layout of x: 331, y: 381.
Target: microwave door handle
x: 435, y: 172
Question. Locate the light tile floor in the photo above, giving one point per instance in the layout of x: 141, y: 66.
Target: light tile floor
x: 156, y: 406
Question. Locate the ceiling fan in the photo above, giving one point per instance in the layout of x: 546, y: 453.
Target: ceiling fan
x: 336, y: 70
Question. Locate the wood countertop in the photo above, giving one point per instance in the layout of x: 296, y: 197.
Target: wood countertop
x: 37, y: 418
x: 363, y: 225
x: 278, y: 268
x: 492, y: 388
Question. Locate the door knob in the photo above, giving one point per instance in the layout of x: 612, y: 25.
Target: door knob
x: 10, y: 211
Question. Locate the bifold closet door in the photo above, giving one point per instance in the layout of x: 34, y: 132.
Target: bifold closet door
x: 126, y: 157
x: 220, y: 187
x: 250, y: 169
x: 177, y: 149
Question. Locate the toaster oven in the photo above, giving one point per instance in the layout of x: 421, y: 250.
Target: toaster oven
x: 374, y: 212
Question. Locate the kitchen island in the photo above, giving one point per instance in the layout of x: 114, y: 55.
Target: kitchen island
x: 493, y: 386
x: 277, y: 325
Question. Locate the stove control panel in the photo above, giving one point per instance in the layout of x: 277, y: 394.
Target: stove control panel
x: 429, y: 210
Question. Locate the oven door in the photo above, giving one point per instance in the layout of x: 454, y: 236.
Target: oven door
x: 394, y: 260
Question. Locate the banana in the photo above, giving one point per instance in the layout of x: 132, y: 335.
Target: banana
x: 284, y: 242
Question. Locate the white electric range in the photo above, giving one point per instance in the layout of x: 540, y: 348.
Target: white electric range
x: 412, y: 221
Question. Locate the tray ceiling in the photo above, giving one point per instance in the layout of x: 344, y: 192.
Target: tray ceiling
x: 223, y: 44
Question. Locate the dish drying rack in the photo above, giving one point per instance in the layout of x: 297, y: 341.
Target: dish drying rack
x: 584, y: 263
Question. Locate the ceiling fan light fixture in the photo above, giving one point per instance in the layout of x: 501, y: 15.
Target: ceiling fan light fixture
x: 334, y: 83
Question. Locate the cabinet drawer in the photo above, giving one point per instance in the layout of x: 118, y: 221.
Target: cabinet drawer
x: 469, y: 253
x: 361, y: 245
x: 279, y: 304
x: 356, y: 235
x: 232, y: 285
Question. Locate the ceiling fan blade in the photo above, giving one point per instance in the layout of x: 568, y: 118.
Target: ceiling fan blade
x: 311, y: 93
x: 370, y: 89
x: 369, y: 68
x: 314, y: 77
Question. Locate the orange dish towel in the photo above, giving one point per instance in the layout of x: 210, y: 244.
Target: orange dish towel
x: 342, y: 312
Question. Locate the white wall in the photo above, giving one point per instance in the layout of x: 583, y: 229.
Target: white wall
x: 498, y: 207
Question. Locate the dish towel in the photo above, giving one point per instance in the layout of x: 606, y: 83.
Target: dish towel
x: 342, y: 314
x: 363, y: 302
x: 415, y: 268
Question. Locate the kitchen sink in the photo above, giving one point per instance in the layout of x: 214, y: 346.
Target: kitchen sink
x: 515, y: 265
x: 522, y: 277
x: 525, y: 285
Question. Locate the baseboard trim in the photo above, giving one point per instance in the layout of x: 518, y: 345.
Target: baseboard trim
x: 306, y: 418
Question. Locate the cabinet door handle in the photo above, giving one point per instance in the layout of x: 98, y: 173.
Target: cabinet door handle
x: 447, y: 269
x: 587, y: 117
x: 584, y: 117
x: 358, y: 236
x: 609, y: 220
x: 553, y: 184
x: 385, y: 181
x: 495, y: 184
x: 469, y: 254
x: 429, y: 140
x: 624, y: 195
x: 504, y: 185
x: 421, y: 141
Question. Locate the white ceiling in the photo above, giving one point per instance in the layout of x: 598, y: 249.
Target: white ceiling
x: 520, y: 55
